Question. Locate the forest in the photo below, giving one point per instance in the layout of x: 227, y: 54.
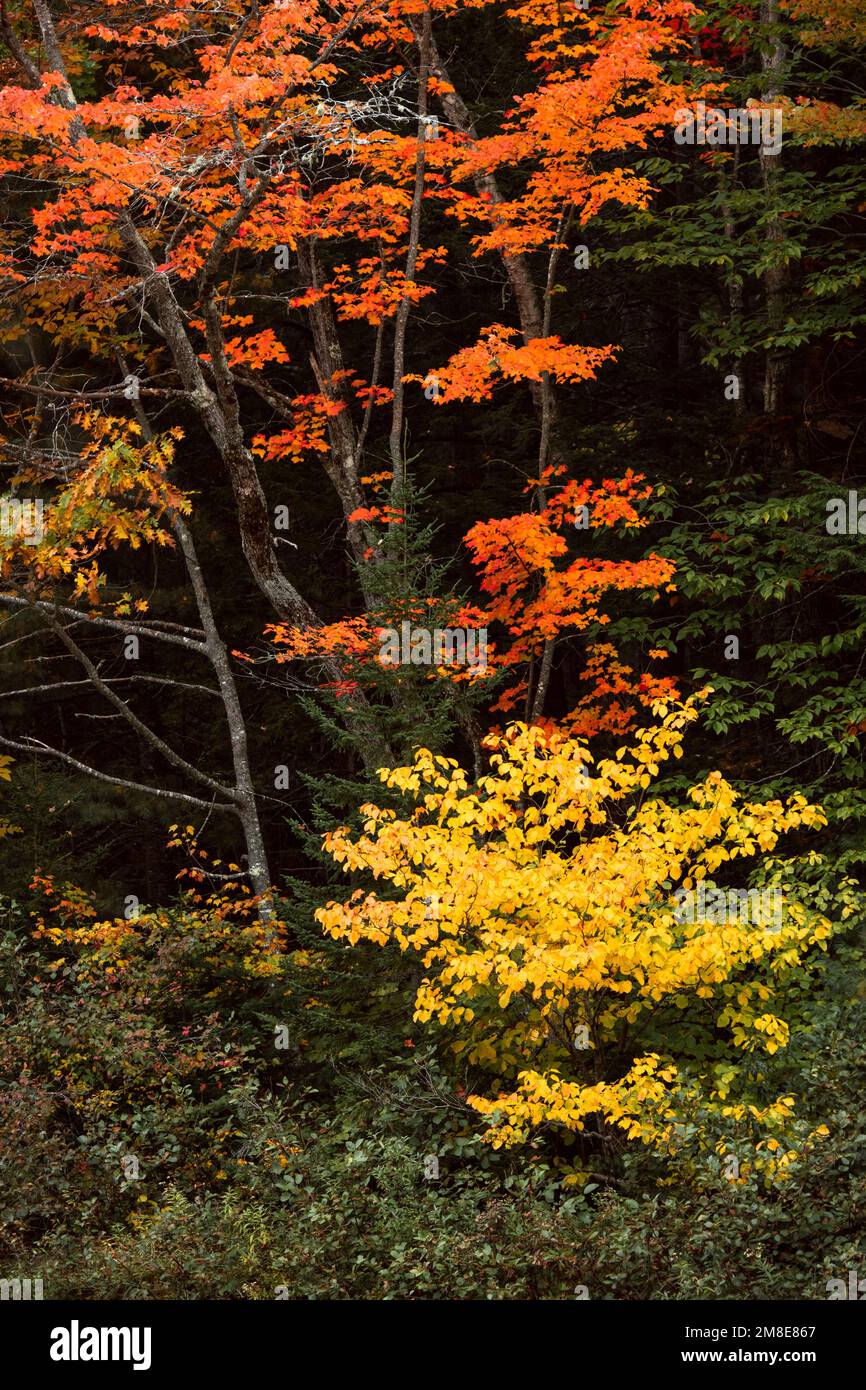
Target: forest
x: 467, y: 398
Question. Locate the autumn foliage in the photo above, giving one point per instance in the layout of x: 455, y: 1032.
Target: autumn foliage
x: 327, y: 326
x: 544, y: 920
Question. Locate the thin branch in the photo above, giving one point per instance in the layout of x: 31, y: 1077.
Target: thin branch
x: 140, y: 727
x: 35, y: 745
x: 138, y: 629
x: 374, y: 381
x: 100, y: 393
x: 52, y: 686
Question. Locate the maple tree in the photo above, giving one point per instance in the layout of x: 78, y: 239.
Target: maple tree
x: 531, y: 597
x: 538, y: 602
x: 614, y: 72
x: 228, y: 165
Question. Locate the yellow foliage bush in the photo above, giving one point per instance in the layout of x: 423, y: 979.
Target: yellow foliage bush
x: 541, y: 903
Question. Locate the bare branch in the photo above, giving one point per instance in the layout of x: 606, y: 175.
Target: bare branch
x: 140, y: 727
x: 100, y: 393
x: 50, y: 687
x: 35, y: 745
x: 138, y: 628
